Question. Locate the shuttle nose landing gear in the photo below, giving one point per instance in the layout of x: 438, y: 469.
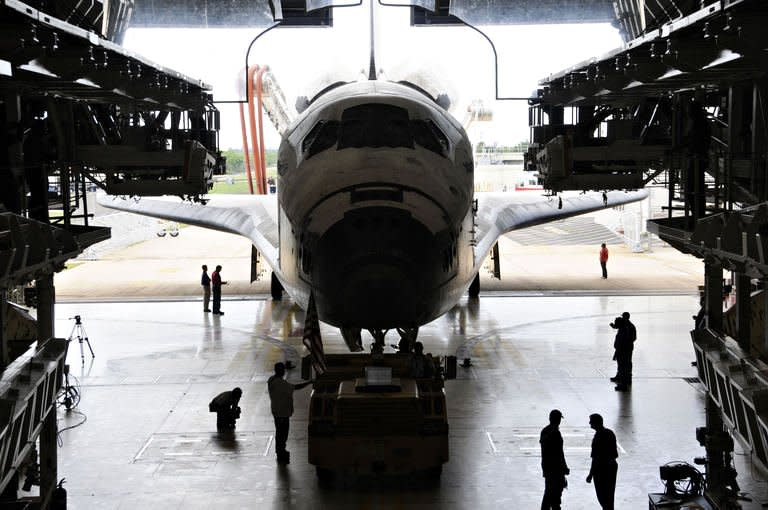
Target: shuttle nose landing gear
x: 352, y: 338
x: 377, y: 347
x: 407, y: 339
x: 354, y: 341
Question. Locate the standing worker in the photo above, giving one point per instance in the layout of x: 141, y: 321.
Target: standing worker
x: 418, y: 368
x: 225, y: 405
x: 205, y: 281
x: 216, y: 284
x: 281, y: 398
x: 604, y: 466
x: 553, y: 464
x: 632, y: 336
x: 624, y: 344
x: 632, y: 329
x: 604, y: 259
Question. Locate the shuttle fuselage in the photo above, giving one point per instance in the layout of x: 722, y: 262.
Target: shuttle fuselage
x: 375, y: 207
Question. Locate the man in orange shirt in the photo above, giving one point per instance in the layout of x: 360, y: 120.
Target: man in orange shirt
x: 604, y: 259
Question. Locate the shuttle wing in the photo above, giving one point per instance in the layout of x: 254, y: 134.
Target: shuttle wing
x: 252, y: 216
x: 499, y: 213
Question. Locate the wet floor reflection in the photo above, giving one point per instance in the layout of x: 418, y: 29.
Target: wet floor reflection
x: 158, y: 364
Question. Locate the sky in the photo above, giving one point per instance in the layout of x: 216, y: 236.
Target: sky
x: 454, y: 60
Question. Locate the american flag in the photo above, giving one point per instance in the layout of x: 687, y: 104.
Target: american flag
x: 312, y: 339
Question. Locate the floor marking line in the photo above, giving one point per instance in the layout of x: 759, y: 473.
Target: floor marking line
x: 490, y: 440
x: 269, y: 443
x: 570, y: 448
x: 144, y: 448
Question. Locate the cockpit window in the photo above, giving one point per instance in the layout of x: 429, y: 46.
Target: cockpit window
x: 429, y: 136
x: 375, y: 125
x: 322, y: 136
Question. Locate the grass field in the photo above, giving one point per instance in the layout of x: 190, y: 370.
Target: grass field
x: 238, y: 186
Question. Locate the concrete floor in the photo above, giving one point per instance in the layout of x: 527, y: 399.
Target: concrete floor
x: 149, y: 441
x: 538, y: 339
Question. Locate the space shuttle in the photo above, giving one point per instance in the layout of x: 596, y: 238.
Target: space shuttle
x: 376, y: 215
x: 376, y: 219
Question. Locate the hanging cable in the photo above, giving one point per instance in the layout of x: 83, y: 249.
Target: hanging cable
x: 246, y: 155
x: 59, y: 439
x: 259, y: 108
x: 249, y: 71
x: 252, y: 71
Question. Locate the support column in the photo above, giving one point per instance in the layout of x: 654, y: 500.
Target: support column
x: 698, y: 160
x: 66, y: 197
x: 713, y: 295
x: 11, y: 180
x: 744, y: 311
x: 556, y: 115
x: 714, y: 451
x: 46, y: 298
x: 4, y: 356
x: 765, y: 317
x: 678, y: 122
x: 759, y: 148
x: 48, y: 457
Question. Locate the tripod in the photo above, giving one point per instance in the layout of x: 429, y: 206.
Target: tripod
x: 78, y: 331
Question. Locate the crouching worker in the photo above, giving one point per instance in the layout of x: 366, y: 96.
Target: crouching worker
x: 225, y: 405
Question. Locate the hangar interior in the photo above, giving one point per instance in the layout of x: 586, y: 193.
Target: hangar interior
x: 681, y: 104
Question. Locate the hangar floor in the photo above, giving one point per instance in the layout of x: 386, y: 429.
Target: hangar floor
x: 149, y: 441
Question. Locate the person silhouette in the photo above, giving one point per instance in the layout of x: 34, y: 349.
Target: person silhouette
x: 216, y: 283
x: 604, y: 467
x: 281, y: 403
x: 417, y: 366
x: 553, y: 466
x: 205, y: 282
x: 225, y: 405
x: 626, y: 334
x: 604, y: 259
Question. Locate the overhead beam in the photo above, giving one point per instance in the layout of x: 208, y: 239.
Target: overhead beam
x: 244, y: 13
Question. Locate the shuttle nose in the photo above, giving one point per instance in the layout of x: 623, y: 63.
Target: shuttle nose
x: 376, y: 265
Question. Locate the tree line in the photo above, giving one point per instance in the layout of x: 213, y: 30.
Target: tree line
x: 236, y: 161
